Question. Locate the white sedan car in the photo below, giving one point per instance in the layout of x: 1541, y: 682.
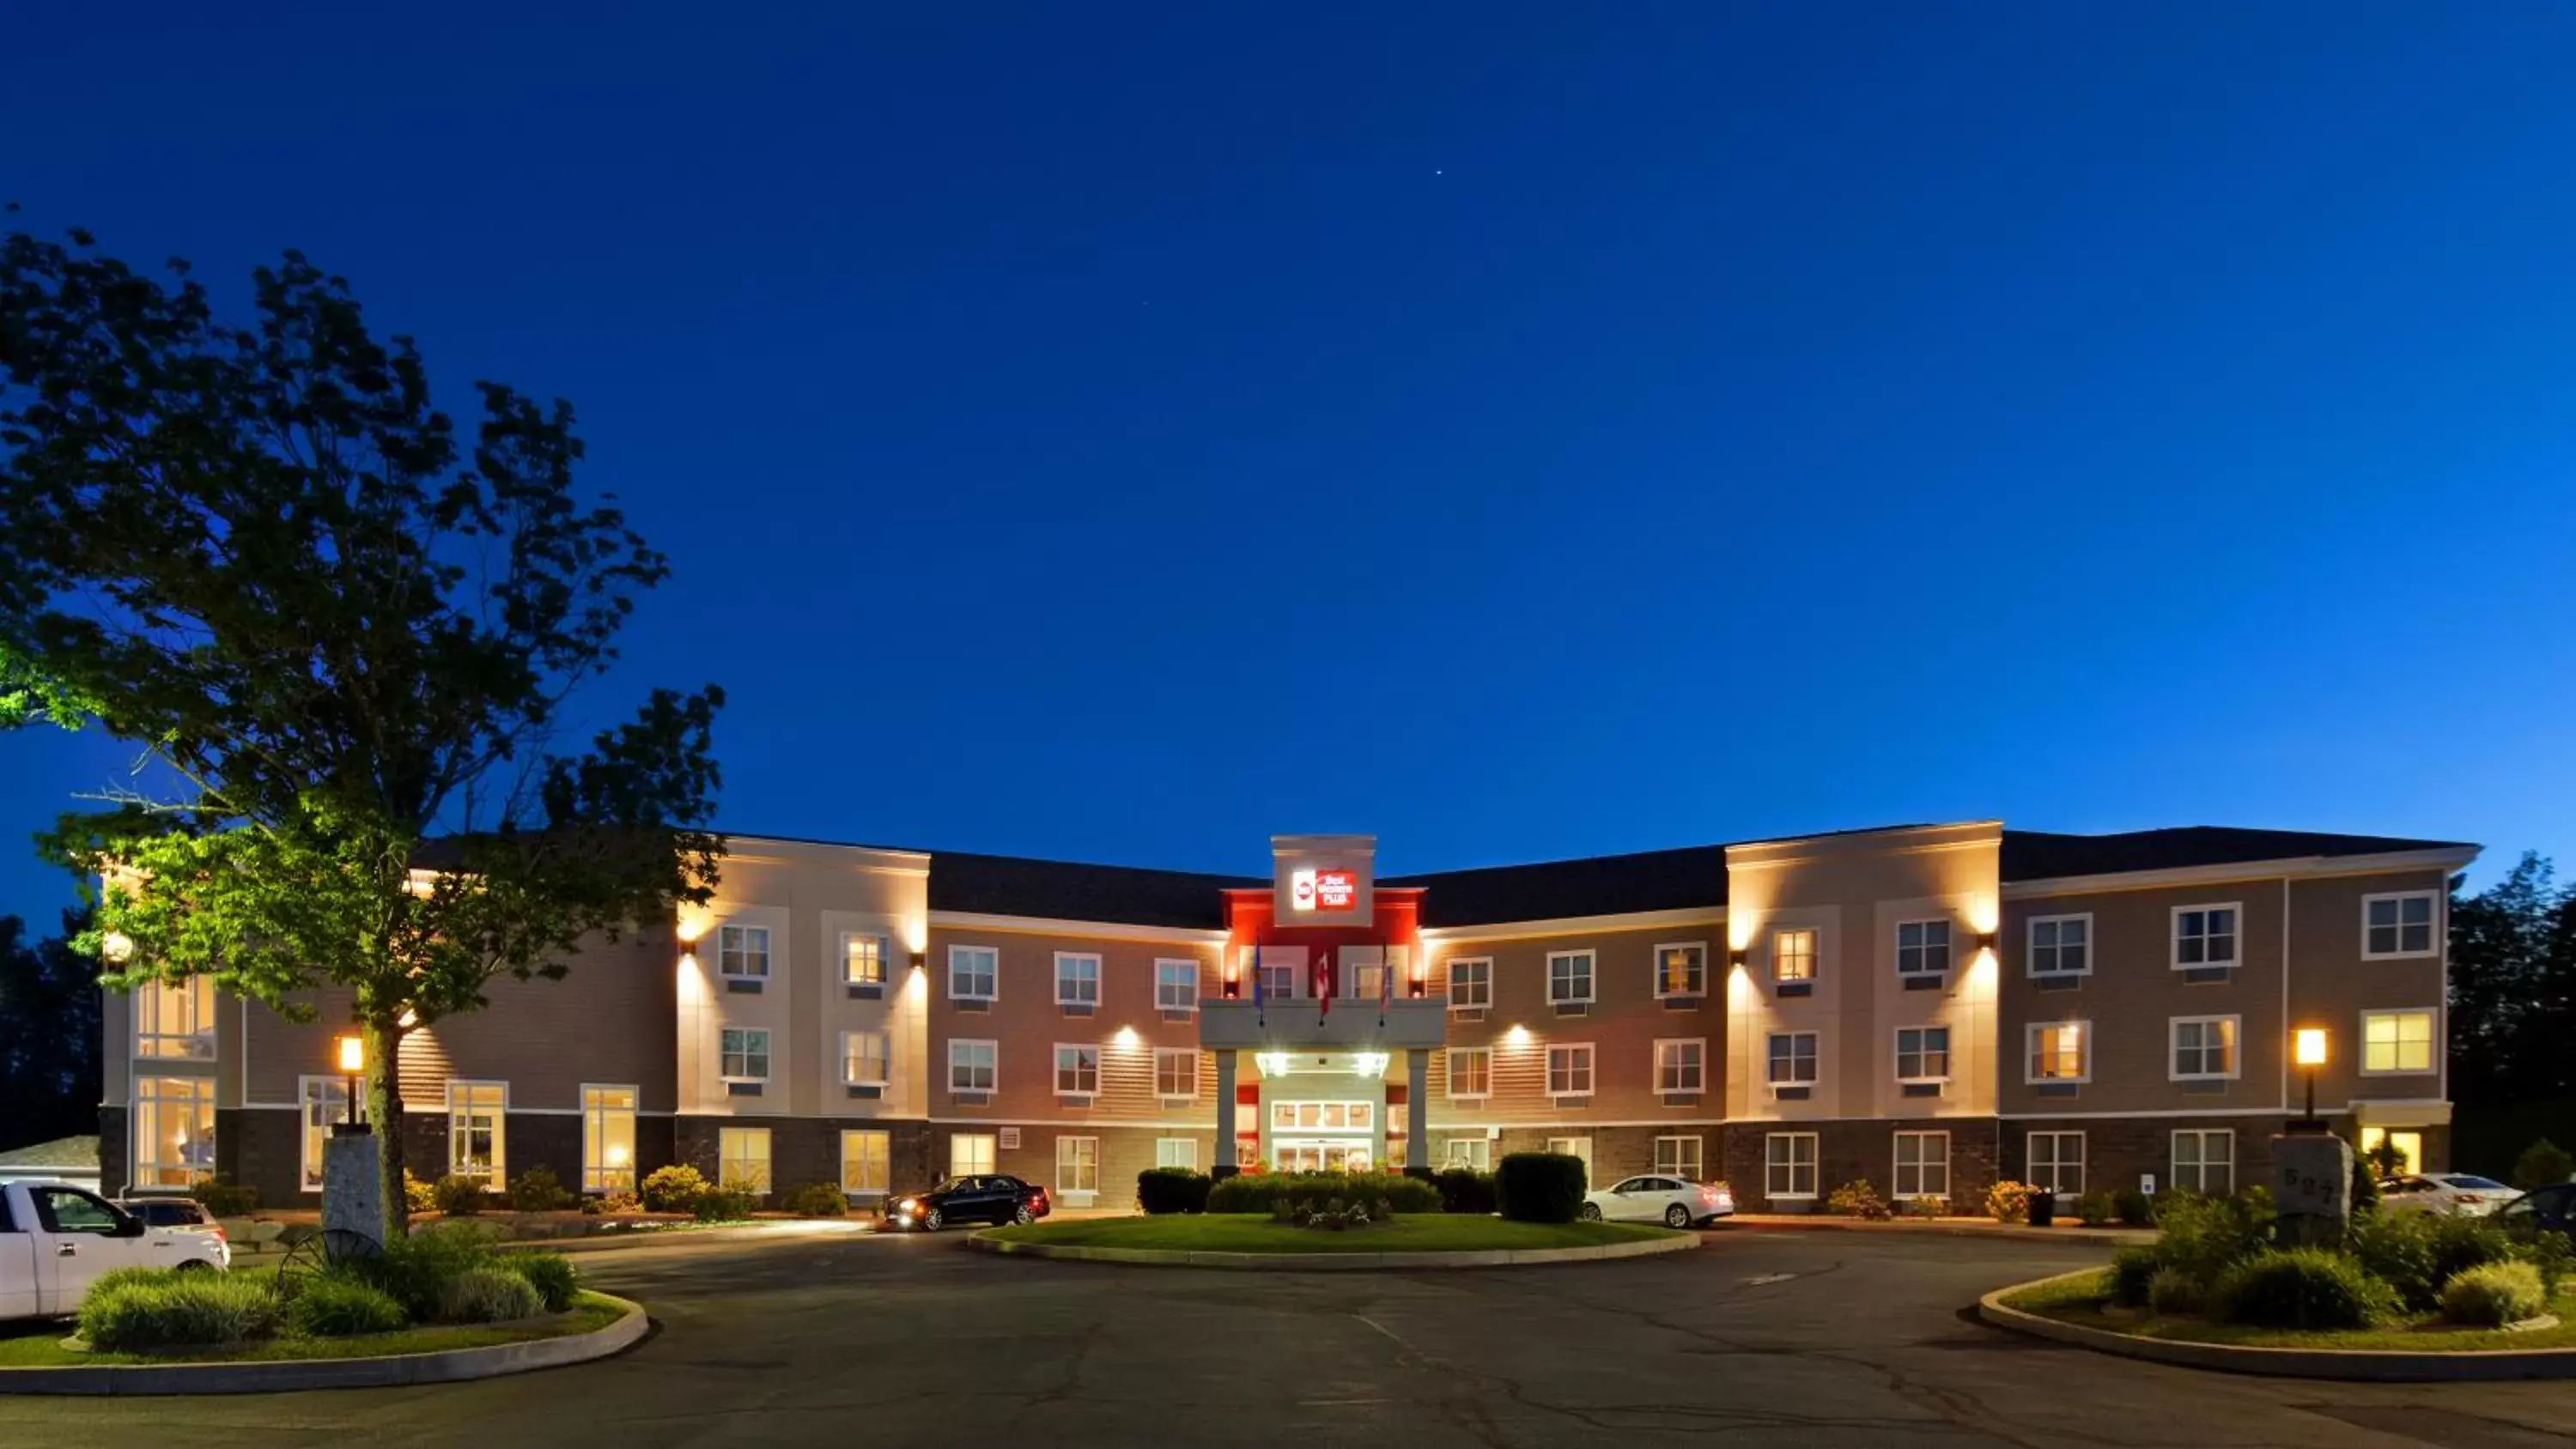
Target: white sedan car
x: 1673, y: 1201
x: 2465, y: 1194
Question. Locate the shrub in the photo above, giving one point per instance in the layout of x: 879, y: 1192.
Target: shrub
x: 460, y: 1196
x: 2206, y: 1236
x: 234, y: 1200
x: 2550, y: 1253
x: 178, y: 1311
x: 723, y: 1205
x: 1857, y: 1199
x: 817, y: 1200
x: 341, y: 1307
x: 2133, y: 1271
x: 1539, y: 1187
x: 674, y: 1189
x: 416, y: 1271
x: 1173, y: 1190
x: 1464, y: 1190
x: 2397, y: 1249
x: 418, y: 1196
x: 538, y: 1190
x: 2365, y: 1187
x: 2009, y: 1201
x: 488, y: 1295
x: 2541, y: 1164
x: 2093, y: 1209
x: 2387, y: 1159
x: 2133, y: 1208
x: 1925, y: 1205
x: 552, y: 1274
x: 2460, y: 1244
x: 2492, y: 1295
x: 1255, y: 1192
x: 2300, y: 1288
x: 2173, y: 1291
x: 2167, y: 1197
x: 617, y: 1200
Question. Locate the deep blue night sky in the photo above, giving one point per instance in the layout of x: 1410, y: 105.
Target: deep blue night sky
x: 1521, y: 431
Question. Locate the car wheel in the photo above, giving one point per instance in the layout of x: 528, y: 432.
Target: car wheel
x: 1677, y: 1216
x: 930, y: 1221
x: 1590, y: 1212
x: 1023, y: 1216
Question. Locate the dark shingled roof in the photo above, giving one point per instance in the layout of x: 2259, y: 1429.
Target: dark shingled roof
x: 1604, y: 885
x: 1004, y: 885
x: 2046, y: 855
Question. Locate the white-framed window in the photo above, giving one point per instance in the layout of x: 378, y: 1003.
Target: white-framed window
x: 1471, y: 983
x: 1678, y: 1156
x: 1789, y: 1165
x: 175, y: 1019
x: 325, y: 1105
x: 477, y: 1131
x: 1793, y: 954
x: 1176, y: 1152
x: 1681, y: 1066
x: 867, y: 1156
x: 1922, y: 1166
x: 1923, y: 1054
x: 1791, y: 1058
x: 1077, y: 1164
x: 1176, y: 985
x: 2058, y: 1051
x: 1176, y: 1072
x: 1923, y: 948
x: 1475, y: 1152
x: 742, y: 1158
x: 2205, y: 936
x: 1575, y: 1147
x: 1569, y: 978
x: 973, y: 972
x: 1569, y: 1070
x: 2398, y: 925
x: 972, y: 1064
x: 863, y: 1059
x: 2061, y: 945
x: 1681, y: 970
x: 174, y: 1130
x: 863, y: 959
x: 742, y: 952
x: 1471, y: 1072
x: 1278, y: 978
x: 1077, y: 1070
x: 1077, y: 978
x: 608, y: 1138
x: 2204, y: 1160
x: 2394, y: 1042
x: 742, y: 1053
x: 2057, y: 1162
x: 1323, y: 1116
x: 2204, y: 1048
x: 970, y: 1153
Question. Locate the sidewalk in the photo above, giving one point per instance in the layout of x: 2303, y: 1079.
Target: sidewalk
x: 2064, y: 1233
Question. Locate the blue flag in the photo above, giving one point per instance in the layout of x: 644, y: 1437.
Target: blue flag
x: 1256, y: 986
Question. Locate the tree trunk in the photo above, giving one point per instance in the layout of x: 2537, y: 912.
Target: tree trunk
x: 385, y: 1110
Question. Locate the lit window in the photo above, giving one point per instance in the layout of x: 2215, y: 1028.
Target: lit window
x: 971, y: 1065
x: 1475, y: 1152
x: 970, y: 1153
x: 1471, y: 983
x: 2056, y: 1051
x: 742, y: 1158
x: 1789, y: 1165
x: 1569, y: 978
x: 866, y: 1158
x: 325, y: 1106
x: 175, y: 1019
x: 1681, y: 970
x: 1569, y: 1071
x: 174, y: 1130
x: 1176, y: 1152
x: 1176, y: 985
x: 742, y: 1054
x: 1471, y: 1071
x: 2057, y: 1162
x: 1922, y: 1165
x: 863, y: 1058
x: 2397, y: 925
x: 1077, y: 979
x: 2061, y: 945
x: 607, y: 1139
x: 1077, y: 1071
x: 1176, y: 1072
x: 2397, y: 1041
x: 477, y: 1121
x: 2204, y: 1160
x: 972, y: 971
x: 1923, y: 1054
x: 1679, y: 1066
x: 2410, y: 1147
x: 742, y: 951
x: 1678, y: 1157
x: 1793, y: 955
x: 862, y: 959
x: 2204, y: 936
x: 2204, y: 1048
x: 1278, y: 978
x: 1077, y: 1164
x: 1792, y: 1058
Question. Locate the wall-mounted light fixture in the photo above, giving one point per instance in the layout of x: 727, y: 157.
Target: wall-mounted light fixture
x: 1986, y: 940
x: 920, y: 960
x: 1738, y: 957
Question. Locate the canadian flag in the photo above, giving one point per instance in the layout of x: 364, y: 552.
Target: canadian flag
x: 1325, y: 979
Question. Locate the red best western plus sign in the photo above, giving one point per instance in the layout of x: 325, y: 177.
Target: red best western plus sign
x: 1335, y: 890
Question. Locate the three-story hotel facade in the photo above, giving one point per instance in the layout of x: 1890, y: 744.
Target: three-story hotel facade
x: 1927, y: 1008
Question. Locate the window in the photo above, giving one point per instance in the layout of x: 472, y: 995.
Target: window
x: 2396, y: 1041
x: 1569, y: 978
x: 2397, y: 925
x: 2057, y: 1051
x: 2204, y: 1160
x: 1176, y: 1152
x: 175, y: 1019
x: 1789, y: 1165
x: 1176, y: 1072
x: 2203, y: 936
x: 1680, y: 1066
x: 2410, y: 1145
x: 2057, y: 1162
x: 1471, y: 983
x: 1475, y: 1152
x: 1077, y: 1164
x: 1077, y: 979
x: 742, y: 1158
x: 2061, y: 945
x: 1077, y: 1071
x: 1678, y: 1157
x: 1922, y: 948
x: 866, y: 1158
x: 862, y: 959
x: 174, y: 1130
x: 1323, y: 1116
x: 1793, y: 955
x: 69, y: 1210
x: 742, y: 951
x: 325, y: 1106
x: 1471, y: 1071
x: 477, y: 1145
x: 1681, y: 970
x: 1278, y: 979
x: 1569, y: 1071
x: 1176, y: 985
x: 1792, y: 1058
x: 970, y: 1153
x: 1923, y: 1054
x: 742, y: 1054
x: 972, y: 972
x: 2204, y: 1048
x: 1323, y: 1156
x: 607, y: 1139
x: 970, y: 1065
x: 863, y: 1058
x: 1922, y: 1165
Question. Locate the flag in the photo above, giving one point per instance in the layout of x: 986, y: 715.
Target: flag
x: 1324, y: 982
x: 1385, y: 982
x: 1257, y: 1017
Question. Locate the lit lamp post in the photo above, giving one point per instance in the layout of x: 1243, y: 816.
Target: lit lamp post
x: 2309, y: 1051
x: 353, y: 1065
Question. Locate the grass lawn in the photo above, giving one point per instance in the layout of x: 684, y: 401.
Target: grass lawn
x: 41, y: 1344
x: 1256, y: 1233
x: 2085, y: 1300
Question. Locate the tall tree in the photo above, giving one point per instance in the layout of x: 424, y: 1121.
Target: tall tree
x: 2513, y: 986
x: 49, y: 1035
x: 343, y: 641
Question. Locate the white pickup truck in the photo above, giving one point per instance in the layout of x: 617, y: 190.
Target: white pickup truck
x: 55, y: 1239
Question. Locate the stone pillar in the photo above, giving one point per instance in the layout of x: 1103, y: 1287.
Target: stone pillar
x: 1224, y: 1110
x: 352, y: 1193
x: 1417, y: 1110
x: 2312, y: 1188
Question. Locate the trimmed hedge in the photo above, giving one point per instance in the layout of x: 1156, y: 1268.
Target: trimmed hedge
x: 1162, y: 1190
x: 225, y: 1199
x: 725, y: 1205
x: 538, y: 1190
x: 460, y: 1196
x: 2300, y: 1288
x: 817, y: 1200
x: 1539, y: 1187
x: 553, y: 1275
x: 341, y: 1308
x: 1257, y: 1192
x: 2492, y: 1295
x: 176, y: 1310
x: 1464, y: 1190
x: 674, y: 1189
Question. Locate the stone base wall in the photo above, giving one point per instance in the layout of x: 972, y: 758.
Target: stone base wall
x: 1848, y: 1152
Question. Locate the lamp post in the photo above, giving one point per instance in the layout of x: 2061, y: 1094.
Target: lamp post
x: 2309, y: 1051
x: 353, y: 1065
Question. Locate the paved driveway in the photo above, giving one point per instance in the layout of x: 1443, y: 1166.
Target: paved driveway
x: 1785, y: 1338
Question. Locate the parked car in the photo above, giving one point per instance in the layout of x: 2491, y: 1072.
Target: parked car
x: 2552, y: 1207
x: 1673, y: 1201
x: 2444, y: 1192
x: 56, y: 1239
x: 170, y: 1212
x: 976, y: 1198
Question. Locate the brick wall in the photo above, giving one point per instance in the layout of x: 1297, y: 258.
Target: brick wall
x: 1860, y: 1151
x: 2117, y: 1150
x: 113, y: 1160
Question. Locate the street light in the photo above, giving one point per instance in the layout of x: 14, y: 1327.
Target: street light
x: 353, y: 1065
x: 2309, y: 1051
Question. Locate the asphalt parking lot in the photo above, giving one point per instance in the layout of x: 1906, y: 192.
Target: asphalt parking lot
x: 1804, y: 1338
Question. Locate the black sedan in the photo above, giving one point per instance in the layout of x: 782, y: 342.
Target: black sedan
x: 982, y: 1198
x: 2552, y: 1207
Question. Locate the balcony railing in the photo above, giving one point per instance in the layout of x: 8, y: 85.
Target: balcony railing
x: 1351, y: 1025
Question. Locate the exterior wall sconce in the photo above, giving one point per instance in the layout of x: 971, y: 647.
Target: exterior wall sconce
x: 1738, y: 957
x: 920, y: 960
x: 1986, y: 940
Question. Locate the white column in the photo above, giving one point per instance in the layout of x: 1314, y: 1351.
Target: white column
x: 1224, y: 1108
x: 1417, y: 1107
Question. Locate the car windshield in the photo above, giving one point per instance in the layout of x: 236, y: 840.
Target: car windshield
x: 954, y: 1184
x: 2474, y: 1183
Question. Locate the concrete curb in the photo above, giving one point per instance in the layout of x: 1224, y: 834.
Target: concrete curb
x: 1332, y: 1262
x: 2383, y: 1365
x: 2007, y: 1233
x: 450, y: 1366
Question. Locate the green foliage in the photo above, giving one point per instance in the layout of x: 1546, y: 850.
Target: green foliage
x: 2172, y: 1290
x: 1464, y: 1190
x: 2512, y: 1006
x: 1857, y: 1199
x: 2541, y: 1164
x: 2009, y: 1201
x: 2461, y: 1243
x: 2134, y: 1209
x: 2492, y: 1295
x: 416, y: 1271
x: 2385, y: 1159
x: 2549, y: 1252
x: 2307, y: 1288
x: 459, y: 1196
x: 2094, y: 1209
x: 1161, y: 1190
x: 1255, y: 1192
x: 176, y: 1311
x: 488, y: 1295
x: 2205, y: 1236
x: 674, y: 1189
x: 2169, y: 1196
x: 225, y: 1199
x: 817, y: 1200
x: 1539, y: 1187
x: 1925, y: 1205
x: 724, y: 1205
x: 341, y: 1307
x: 553, y: 1275
x: 2133, y: 1272
x: 538, y: 1190
x: 2365, y: 1186
x: 418, y: 1196
x: 2397, y: 1249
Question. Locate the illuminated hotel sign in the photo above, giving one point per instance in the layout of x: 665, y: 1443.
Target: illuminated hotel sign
x: 1329, y: 890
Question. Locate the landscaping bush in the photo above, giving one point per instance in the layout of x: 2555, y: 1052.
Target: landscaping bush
x: 2009, y: 1201
x: 1857, y: 1199
x: 2173, y: 1291
x: 2397, y: 1249
x: 2365, y: 1187
x: 1255, y: 1192
x: 177, y: 1310
x: 2206, y: 1236
x: 1539, y: 1187
x: 2133, y: 1208
x: 2387, y: 1159
x: 2300, y: 1288
x: 1925, y: 1205
x: 237, y: 1200
x: 552, y: 1274
x: 817, y: 1200
x: 416, y: 1271
x: 2541, y: 1164
x: 460, y: 1196
x: 2493, y: 1295
x: 341, y: 1307
x: 2550, y: 1253
x: 538, y: 1190
x: 1464, y: 1190
x: 1173, y: 1190
x: 724, y: 1205
x: 2094, y: 1209
x: 488, y: 1295
x: 2460, y: 1244
x: 2133, y: 1272
x: 674, y: 1189
x: 418, y: 1196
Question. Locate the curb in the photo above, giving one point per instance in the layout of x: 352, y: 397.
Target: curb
x: 2383, y: 1365
x: 449, y: 1366
x: 2063, y: 1237
x: 1332, y: 1262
